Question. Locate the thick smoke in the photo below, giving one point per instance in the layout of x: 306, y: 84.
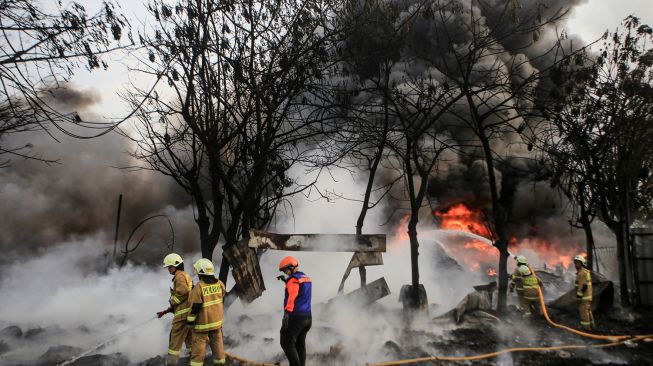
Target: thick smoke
x: 70, y: 276
x: 44, y: 204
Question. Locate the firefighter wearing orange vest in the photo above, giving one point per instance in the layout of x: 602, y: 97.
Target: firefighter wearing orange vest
x: 206, y: 314
x: 584, y: 292
x: 179, y: 306
x: 297, y: 319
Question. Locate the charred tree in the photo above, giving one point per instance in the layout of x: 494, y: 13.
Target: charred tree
x: 41, y: 49
x: 234, y: 111
x: 601, y: 116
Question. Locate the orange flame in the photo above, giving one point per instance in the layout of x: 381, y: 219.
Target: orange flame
x: 476, y: 254
x: 461, y: 217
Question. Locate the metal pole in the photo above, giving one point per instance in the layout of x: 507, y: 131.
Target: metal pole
x: 115, y: 237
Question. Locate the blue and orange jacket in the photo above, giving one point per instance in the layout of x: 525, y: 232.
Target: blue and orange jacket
x: 297, y: 300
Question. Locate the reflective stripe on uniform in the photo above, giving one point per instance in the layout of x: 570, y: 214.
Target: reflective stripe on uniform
x: 221, y: 361
x: 193, y: 363
x: 530, y: 282
x: 175, y: 299
x: 172, y: 352
x: 211, y: 303
x: 182, y: 311
x: 588, y: 297
x: 191, y: 318
x: 207, y: 326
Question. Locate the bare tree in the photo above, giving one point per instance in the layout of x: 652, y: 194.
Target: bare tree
x: 484, y: 59
x: 236, y: 113
x: 601, y: 115
x: 40, y: 51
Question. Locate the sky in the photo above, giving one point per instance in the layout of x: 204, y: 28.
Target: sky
x: 591, y: 19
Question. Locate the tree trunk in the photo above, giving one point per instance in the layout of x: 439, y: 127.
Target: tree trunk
x: 621, y: 260
x: 589, y: 241
x: 414, y: 254
x: 497, y: 213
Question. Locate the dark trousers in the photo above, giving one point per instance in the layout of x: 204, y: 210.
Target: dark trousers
x: 293, y: 338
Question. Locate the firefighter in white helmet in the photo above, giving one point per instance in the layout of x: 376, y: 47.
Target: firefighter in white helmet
x: 179, y: 305
x: 530, y: 291
x: 206, y: 315
x: 516, y: 280
x: 584, y: 292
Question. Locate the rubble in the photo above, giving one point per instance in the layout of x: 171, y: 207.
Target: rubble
x: 364, y: 296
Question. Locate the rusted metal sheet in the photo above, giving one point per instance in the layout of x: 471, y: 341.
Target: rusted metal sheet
x: 245, y: 270
x: 317, y: 242
x: 365, y: 295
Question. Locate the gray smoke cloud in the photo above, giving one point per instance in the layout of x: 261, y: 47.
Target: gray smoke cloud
x: 44, y: 204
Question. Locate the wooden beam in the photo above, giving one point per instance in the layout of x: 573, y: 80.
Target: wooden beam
x: 317, y: 242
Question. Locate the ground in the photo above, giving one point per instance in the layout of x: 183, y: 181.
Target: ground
x: 471, y: 337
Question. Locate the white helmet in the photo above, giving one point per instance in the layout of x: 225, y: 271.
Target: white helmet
x: 524, y: 270
x: 204, y: 266
x: 521, y: 259
x: 172, y: 259
x: 581, y: 259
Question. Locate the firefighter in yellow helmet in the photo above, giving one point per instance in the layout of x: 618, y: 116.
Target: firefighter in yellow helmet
x: 530, y: 287
x: 179, y: 305
x: 516, y: 280
x: 206, y: 315
x: 584, y: 292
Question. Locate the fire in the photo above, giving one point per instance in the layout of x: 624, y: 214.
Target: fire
x: 479, y: 255
x: 401, y: 232
x: 475, y: 255
x: 461, y: 217
x: 550, y: 252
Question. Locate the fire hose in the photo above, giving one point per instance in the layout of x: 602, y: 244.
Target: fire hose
x: 114, y: 337
x: 615, y: 340
x: 103, y: 344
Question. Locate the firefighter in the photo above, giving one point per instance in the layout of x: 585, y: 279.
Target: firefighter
x: 530, y: 287
x: 584, y: 292
x: 516, y: 281
x: 205, y: 318
x: 297, y: 317
x: 179, y: 306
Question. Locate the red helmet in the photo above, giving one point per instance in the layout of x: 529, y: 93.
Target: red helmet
x: 288, y: 262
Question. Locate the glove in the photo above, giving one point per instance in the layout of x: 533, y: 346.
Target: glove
x: 512, y: 289
x: 284, y: 321
x: 162, y: 313
x: 281, y: 278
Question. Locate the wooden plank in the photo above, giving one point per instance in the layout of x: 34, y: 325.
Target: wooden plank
x: 318, y: 242
x: 245, y: 270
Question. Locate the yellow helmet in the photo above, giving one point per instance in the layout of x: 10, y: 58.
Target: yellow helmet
x: 204, y: 266
x: 581, y: 259
x: 172, y: 259
x: 521, y: 259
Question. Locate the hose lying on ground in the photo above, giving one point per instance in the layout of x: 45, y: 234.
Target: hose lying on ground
x: 615, y: 340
